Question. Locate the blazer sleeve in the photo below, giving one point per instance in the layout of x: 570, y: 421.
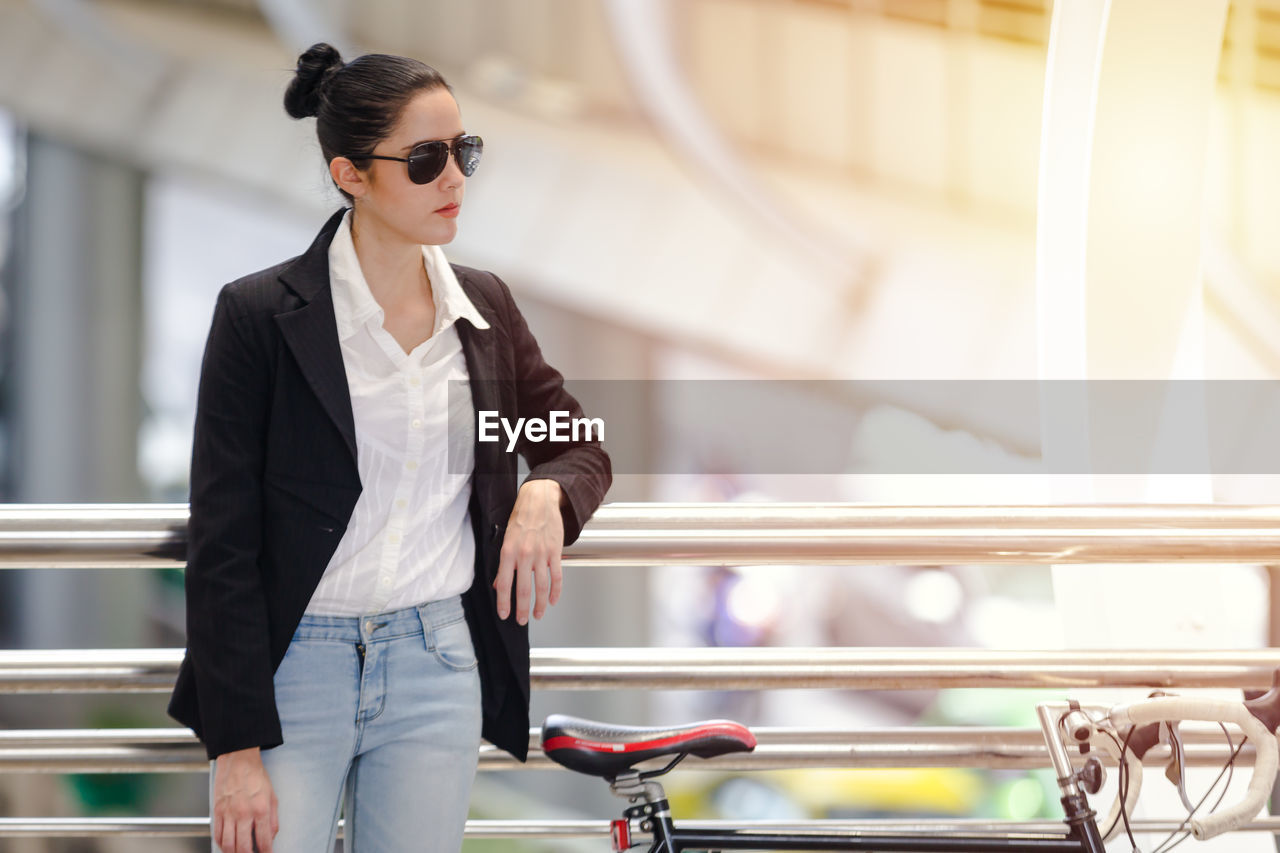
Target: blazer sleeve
x: 227, y: 627
x: 582, y: 468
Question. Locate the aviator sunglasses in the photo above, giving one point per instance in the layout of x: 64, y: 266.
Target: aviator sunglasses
x: 427, y: 160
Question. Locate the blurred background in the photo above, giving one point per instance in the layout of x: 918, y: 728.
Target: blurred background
x: 711, y: 189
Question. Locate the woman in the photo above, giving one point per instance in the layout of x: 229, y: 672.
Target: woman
x: 360, y: 567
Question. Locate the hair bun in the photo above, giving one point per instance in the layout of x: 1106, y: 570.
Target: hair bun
x: 315, y: 67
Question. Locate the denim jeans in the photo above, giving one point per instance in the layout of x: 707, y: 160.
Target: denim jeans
x: 395, y: 737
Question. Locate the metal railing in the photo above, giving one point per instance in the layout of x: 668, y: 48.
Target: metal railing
x: 553, y: 830
x: 153, y: 536
x: 173, y: 749
x: 642, y: 534
x: 773, y: 668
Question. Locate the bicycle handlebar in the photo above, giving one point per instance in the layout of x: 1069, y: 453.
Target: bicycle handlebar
x: 1208, y: 710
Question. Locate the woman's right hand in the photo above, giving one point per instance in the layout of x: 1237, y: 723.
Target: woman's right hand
x: 244, y: 804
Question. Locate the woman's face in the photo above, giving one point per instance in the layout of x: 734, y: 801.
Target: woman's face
x: 383, y: 191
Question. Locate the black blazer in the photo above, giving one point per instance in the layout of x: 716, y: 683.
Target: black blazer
x: 274, y: 481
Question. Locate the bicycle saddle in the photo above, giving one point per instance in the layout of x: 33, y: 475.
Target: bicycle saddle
x: 607, y: 750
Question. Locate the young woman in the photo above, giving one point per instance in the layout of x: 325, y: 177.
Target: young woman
x: 360, y: 567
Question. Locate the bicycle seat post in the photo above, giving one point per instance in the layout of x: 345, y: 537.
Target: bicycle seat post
x: 655, y: 812
x: 631, y: 787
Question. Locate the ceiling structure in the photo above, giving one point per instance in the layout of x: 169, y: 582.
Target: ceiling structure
x: 735, y: 231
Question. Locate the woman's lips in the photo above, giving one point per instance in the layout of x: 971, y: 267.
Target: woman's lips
x: 449, y: 211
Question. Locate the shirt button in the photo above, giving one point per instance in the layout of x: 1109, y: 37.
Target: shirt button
x: 411, y: 464
x: 417, y: 422
x: 401, y: 503
x: 394, y: 538
x: 415, y: 381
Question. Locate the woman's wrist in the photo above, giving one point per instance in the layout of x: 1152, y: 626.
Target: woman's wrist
x: 551, y: 487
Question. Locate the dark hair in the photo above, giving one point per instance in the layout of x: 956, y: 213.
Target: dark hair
x: 356, y: 104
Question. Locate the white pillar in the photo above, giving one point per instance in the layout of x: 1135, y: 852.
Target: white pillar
x: 1129, y: 87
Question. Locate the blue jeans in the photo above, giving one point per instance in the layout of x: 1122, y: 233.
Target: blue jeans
x: 396, y: 736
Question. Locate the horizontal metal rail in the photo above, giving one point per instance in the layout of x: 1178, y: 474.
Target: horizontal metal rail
x: 154, y: 670
x: 546, y: 830
x: 644, y: 534
x: 894, y: 668
x: 176, y: 750
x: 623, y: 534
x: 93, y: 536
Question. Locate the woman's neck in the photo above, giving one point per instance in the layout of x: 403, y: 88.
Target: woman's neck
x: 392, y: 266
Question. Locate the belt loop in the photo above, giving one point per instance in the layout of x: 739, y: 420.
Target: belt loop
x: 425, y: 620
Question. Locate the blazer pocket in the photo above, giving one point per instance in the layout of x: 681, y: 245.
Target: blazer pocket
x: 316, y: 502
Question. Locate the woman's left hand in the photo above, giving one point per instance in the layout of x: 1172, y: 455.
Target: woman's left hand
x: 531, y: 551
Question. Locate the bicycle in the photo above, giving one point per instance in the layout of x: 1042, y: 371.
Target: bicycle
x: 1127, y: 731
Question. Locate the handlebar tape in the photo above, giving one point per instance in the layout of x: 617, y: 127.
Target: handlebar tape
x: 1213, y: 711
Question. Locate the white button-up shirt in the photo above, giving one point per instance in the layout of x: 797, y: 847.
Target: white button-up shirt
x: 409, y: 539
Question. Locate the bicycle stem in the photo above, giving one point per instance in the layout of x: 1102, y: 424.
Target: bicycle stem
x: 1057, y: 750
x: 1075, y: 806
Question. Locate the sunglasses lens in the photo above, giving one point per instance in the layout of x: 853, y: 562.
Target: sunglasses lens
x: 468, y: 152
x: 426, y: 162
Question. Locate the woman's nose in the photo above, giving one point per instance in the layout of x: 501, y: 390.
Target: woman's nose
x: 452, y: 175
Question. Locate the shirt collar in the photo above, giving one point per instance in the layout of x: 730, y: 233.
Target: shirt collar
x: 353, y: 302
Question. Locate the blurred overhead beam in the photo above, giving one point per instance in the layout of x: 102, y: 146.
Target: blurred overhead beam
x: 81, y: 20
x: 536, y: 212
x: 642, y: 32
x: 302, y: 23
x: 583, y: 211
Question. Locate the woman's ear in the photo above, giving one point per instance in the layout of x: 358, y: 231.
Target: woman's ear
x: 348, y: 177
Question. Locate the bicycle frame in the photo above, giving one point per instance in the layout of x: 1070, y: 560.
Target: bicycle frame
x: 652, y: 815
x: 615, y: 753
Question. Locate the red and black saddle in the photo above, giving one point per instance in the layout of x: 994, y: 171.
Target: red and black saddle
x: 607, y: 750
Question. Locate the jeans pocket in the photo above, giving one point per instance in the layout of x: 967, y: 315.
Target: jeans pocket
x: 452, y: 646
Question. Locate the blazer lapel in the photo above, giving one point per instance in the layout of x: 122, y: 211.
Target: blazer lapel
x: 478, y: 351
x: 311, y: 332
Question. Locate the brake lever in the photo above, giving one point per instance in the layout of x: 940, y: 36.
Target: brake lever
x: 1176, y: 770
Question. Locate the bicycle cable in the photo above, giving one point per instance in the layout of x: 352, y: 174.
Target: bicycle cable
x: 1124, y: 788
x: 1179, y: 758
x: 1229, y: 769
